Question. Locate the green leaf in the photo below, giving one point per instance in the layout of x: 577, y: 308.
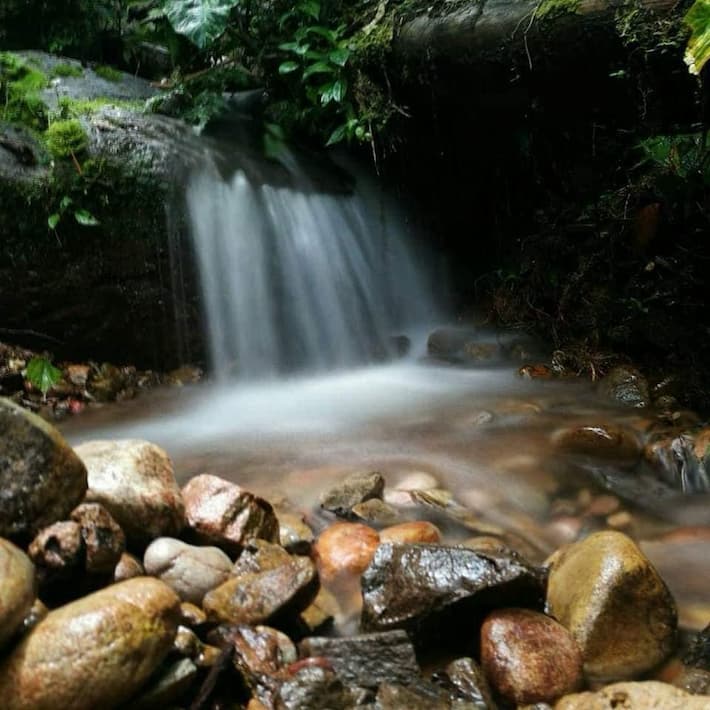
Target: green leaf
x: 310, y: 8
x: 340, y: 56
x: 53, y: 220
x: 333, y: 91
x: 697, y: 52
x: 201, y: 21
x: 330, y: 35
x: 66, y: 201
x: 42, y: 374
x: 317, y: 68
x: 85, y: 218
x: 337, y: 135
x: 288, y: 67
x: 296, y: 47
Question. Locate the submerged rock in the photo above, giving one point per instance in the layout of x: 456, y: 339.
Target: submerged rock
x: 95, y: 652
x: 405, y: 585
x: 134, y: 481
x: 356, y: 488
x: 648, y: 695
x: 188, y: 570
x: 369, y: 659
x: 41, y: 478
x: 607, y: 442
x: 529, y: 657
x: 614, y: 603
x: 17, y: 589
x: 221, y: 513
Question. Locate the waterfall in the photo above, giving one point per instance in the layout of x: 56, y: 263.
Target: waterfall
x: 297, y: 279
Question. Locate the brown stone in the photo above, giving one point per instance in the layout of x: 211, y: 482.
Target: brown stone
x: 529, y: 657
x: 17, y: 589
x: 345, y: 549
x: 127, y: 567
x: 103, y: 538
x: 58, y: 550
x: 607, y: 442
x: 413, y: 531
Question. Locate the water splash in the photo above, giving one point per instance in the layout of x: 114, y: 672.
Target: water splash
x: 295, y: 279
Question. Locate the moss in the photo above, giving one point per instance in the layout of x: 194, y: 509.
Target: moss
x: 67, y: 70
x: 20, y: 85
x: 108, y: 73
x: 76, y: 108
x: 642, y: 28
x: 66, y: 138
x: 550, y: 9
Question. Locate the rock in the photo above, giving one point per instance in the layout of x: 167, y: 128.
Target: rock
x: 683, y: 461
x: 400, y: 345
x: 698, y: 653
x: 376, y: 511
x: 627, y: 386
x: 95, y: 652
x: 188, y: 570
x: 260, y: 556
x: 441, y: 579
x: 17, y: 589
x: 134, y: 481
x: 294, y: 534
x: 221, y: 513
x: 167, y: 687
x: 34, y: 616
x: 609, y: 596
x: 695, y: 681
x: 447, y: 343
x: 421, y: 696
x: 192, y: 615
x: 345, y: 549
x: 314, y: 688
x: 648, y: 695
x: 529, y: 657
x: 103, y: 538
x: 58, y: 551
x: 321, y: 612
x: 257, y: 598
x: 187, y: 642
x: 367, y: 660
x: 41, y: 478
x: 128, y: 567
x: 414, y: 531
x: 610, y: 443
x: 465, y: 681
x: 356, y: 488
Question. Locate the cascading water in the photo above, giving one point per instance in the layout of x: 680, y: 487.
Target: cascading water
x: 298, y: 279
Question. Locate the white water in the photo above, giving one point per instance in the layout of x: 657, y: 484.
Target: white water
x: 294, y: 279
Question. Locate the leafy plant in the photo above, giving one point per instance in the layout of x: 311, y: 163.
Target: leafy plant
x: 82, y: 216
x: 40, y: 373
x: 108, y: 73
x: 201, y: 21
x: 697, y: 51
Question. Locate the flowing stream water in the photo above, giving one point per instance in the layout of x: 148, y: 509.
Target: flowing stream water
x: 304, y: 292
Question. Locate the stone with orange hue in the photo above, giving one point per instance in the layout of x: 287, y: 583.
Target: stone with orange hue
x: 413, y: 531
x: 134, y: 481
x: 529, y: 657
x: 607, y: 442
x: 93, y: 653
x: 345, y: 549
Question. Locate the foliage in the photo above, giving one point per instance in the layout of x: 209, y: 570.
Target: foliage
x: 697, y: 52
x: 66, y: 138
x: 108, y: 73
x: 41, y: 374
x: 201, y: 21
x: 20, y: 85
x: 82, y: 216
x: 67, y: 70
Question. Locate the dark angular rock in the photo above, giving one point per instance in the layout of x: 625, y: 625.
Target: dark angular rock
x: 627, y: 386
x: 464, y: 680
x: 314, y: 688
x: 408, y: 585
x: 421, y: 696
x: 698, y: 655
x: 356, y: 488
x: 103, y: 538
x: 367, y: 660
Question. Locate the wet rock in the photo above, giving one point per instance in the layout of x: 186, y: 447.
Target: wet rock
x: 410, y: 532
x: 345, y: 549
x: 421, y: 696
x: 528, y: 657
x: 367, y: 660
x: 610, y: 443
x: 134, y: 481
x: 294, y: 534
x: 376, y: 511
x: 320, y: 613
x: 185, y: 375
x: 627, y: 386
x: 683, y: 461
x: 648, y: 695
x: 417, y: 481
x: 356, y: 488
x: 104, y: 541
x: 58, y: 551
x: 537, y: 371
x: 17, y: 589
x: 260, y: 556
x: 441, y: 579
x: 41, y: 478
x: 223, y: 514
x: 189, y: 570
x: 465, y: 681
x: 34, y: 616
x: 186, y: 642
x: 314, y: 688
x: 447, y: 343
x: 127, y: 567
x: 256, y: 598
x: 95, y: 652
x: 698, y: 653
x: 192, y: 615
x: 695, y: 681
x: 608, y: 595
x: 167, y: 687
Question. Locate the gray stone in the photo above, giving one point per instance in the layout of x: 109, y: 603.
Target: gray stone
x: 356, y: 488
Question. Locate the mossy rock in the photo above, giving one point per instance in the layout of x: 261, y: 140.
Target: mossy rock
x: 66, y: 138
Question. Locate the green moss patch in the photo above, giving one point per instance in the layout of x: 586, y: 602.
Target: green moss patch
x: 108, y: 73
x: 66, y: 138
x: 20, y: 85
x: 67, y: 70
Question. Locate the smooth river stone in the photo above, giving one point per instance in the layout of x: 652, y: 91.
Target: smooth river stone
x: 135, y: 482
x: 344, y: 550
x: 648, y: 695
x: 96, y: 652
x: 17, y: 589
x: 529, y: 657
x: 41, y: 478
x: 189, y: 570
x: 607, y: 593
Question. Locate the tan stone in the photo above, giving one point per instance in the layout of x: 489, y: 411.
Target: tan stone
x: 93, y: 653
x: 17, y: 588
x: 413, y: 531
x: 610, y: 597
x: 649, y: 695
